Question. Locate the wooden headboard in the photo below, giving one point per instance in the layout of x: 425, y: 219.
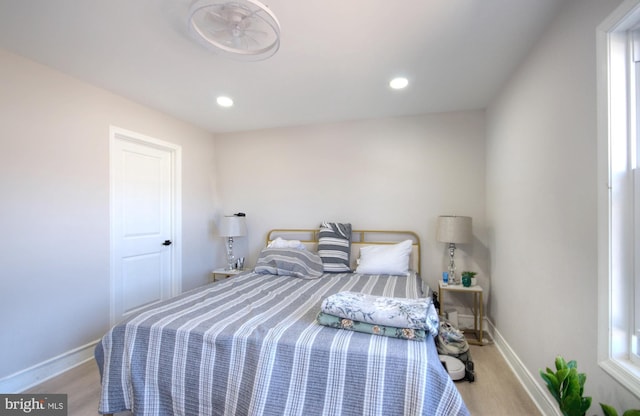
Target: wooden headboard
x: 359, y: 238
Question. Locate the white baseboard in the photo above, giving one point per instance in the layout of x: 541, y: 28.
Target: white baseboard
x: 32, y: 376
x: 535, y: 390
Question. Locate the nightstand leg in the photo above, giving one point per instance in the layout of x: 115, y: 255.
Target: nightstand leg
x: 475, y: 315
x: 481, y: 308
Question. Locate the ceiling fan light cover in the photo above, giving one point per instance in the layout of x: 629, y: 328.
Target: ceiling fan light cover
x: 243, y: 29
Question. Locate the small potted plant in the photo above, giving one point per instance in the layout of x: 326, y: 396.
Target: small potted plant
x: 468, y: 278
x: 567, y: 387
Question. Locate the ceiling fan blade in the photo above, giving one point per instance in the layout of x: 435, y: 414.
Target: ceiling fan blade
x: 256, y: 32
x: 250, y: 38
x: 215, y: 19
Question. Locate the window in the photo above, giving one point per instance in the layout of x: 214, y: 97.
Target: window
x: 634, y: 165
x: 619, y: 195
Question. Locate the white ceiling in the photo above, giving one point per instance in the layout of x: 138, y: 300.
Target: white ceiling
x: 335, y: 60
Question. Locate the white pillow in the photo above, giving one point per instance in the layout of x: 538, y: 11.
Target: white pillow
x: 282, y: 243
x: 391, y: 259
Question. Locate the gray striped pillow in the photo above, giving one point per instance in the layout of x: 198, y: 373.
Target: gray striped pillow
x: 334, y: 246
x: 289, y: 262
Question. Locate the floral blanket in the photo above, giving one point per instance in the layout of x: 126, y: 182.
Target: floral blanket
x: 381, y: 310
x: 373, y: 329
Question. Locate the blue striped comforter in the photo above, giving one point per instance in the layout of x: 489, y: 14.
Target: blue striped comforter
x: 250, y: 345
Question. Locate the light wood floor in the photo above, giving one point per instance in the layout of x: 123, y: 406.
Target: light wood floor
x: 495, y: 392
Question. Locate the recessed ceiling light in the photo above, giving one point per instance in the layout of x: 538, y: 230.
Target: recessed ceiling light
x: 399, y: 83
x: 224, y: 101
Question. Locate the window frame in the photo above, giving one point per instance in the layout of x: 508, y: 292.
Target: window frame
x: 616, y: 263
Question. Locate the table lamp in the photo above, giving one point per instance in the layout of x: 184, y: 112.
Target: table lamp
x: 453, y: 230
x: 232, y: 226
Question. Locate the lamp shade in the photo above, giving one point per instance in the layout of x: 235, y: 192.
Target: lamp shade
x: 233, y: 226
x: 454, y: 229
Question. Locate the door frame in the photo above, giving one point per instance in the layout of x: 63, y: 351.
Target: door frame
x: 175, y: 151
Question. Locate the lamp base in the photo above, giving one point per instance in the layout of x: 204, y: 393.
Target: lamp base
x: 452, y: 266
x: 231, y: 260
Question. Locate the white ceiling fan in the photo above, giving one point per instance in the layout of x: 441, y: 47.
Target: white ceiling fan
x: 242, y: 29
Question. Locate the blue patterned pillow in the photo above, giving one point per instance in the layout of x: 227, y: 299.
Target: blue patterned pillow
x: 304, y: 264
x: 334, y: 246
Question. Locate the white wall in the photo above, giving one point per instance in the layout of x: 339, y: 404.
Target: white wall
x: 541, y: 203
x: 396, y: 173
x: 54, y: 215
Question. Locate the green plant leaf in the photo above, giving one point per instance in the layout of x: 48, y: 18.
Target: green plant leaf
x: 567, y: 387
x: 549, y: 378
x: 582, y: 378
x: 632, y: 412
x: 571, y: 383
x: 572, y: 406
x: 608, y: 410
x: 562, y: 375
x: 552, y: 383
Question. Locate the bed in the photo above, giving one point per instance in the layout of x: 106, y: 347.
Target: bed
x: 252, y: 345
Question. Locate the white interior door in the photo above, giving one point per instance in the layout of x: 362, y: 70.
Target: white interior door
x: 144, y: 222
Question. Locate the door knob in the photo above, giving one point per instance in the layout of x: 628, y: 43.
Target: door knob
x: 166, y: 243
